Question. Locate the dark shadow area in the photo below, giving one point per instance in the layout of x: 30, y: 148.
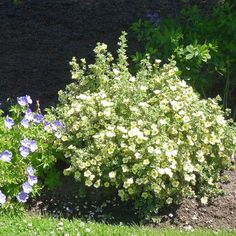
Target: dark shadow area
x: 39, y: 38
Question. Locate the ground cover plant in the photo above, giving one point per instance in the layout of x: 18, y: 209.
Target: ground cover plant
x: 26, y: 153
x: 203, y: 44
x: 147, y: 138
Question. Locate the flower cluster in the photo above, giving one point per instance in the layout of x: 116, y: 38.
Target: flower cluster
x: 23, y: 142
x: 27, y: 146
x: 148, y: 136
x: 27, y: 186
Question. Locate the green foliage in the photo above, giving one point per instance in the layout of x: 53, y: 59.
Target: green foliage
x: 39, y: 157
x: 147, y: 138
x: 203, y: 46
x: 38, y: 225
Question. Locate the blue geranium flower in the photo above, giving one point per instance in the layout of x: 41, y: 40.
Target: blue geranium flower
x: 27, y: 188
x: 22, y: 196
x: 6, y: 156
x: 154, y: 18
x: 2, y: 198
x: 9, y: 122
x: 29, y: 115
x: 24, y: 100
x: 38, y: 118
x: 32, y: 180
x: 30, y: 144
x: 57, y: 124
x: 30, y: 170
x: 25, y: 123
x: 24, y: 151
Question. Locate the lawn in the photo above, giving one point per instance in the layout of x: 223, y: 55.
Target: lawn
x: 36, y: 225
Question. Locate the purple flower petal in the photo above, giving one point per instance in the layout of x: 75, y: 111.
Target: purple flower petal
x: 22, y: 196
x: 6, y: 156
x: 29, y: 115
x: 2, y: 198
x: 33, y: 146
x: 32, y: 180
x: 25, y: 123
x: 9, y: 122
x: 30, y: 170
x: 24, y: 100
x: 24, y: 151
x: 47, y: 126
x: 38, y: 118
x: 27, y: 188
x: 57, y: 124
x: 154, y: 18
x: 25, y: 142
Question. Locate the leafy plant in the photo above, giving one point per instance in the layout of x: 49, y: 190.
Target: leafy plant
x: 26, y: 152
x: 203, y: 46
x: 146, y: 138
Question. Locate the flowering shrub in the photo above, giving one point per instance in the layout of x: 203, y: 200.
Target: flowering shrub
x: 148, y: 137
x: 26, y: 152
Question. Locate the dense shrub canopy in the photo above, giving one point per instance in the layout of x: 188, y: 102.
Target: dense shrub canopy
x: 146, y: 137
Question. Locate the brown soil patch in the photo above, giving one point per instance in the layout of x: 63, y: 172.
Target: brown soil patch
x: 217, y: 214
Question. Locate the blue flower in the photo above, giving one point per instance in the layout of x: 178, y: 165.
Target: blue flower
x: 9, y: 122
x: 6, y: 156
x: 32, y: 180
x: 30, y: 170
x: 154, y: 18
x: 27, y: 188
x: 33, y: 146
x: 38, y: 118
x: 57, y: 124
x: 24, y: 100
x: 2, y: 198
x: 47, y: 126
x: 22, y: 196
x: 25, y: 123
x: 30, y: 144
x: 24, y: 151
x: 29, y: 115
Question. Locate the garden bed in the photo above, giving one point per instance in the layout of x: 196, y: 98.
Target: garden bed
x: 38, y: 39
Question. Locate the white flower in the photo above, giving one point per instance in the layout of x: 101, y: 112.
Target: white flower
x: 150, y: 149
x: 172, y: 88
x: 146, y: 162
x: 168, y: 171
x: 162, y: 121
x: 132, y: 79
x: 143, y: 88
x: 107, y: 103
x: 112, y: 174
x: 122, y: 129
x: 107, y: 112
x: 130, y: 181
x: 220, y: 120
x: 143, y: 104
x: 87, y: 173
x: 116, y: 71
x: 83, y: 97
x: 157, y: 91
x: 110, y: 134
x: 134, y: 132
x: 171, y: 153
x: 138, y: 155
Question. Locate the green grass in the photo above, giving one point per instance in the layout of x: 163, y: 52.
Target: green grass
x: 45, y: 226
